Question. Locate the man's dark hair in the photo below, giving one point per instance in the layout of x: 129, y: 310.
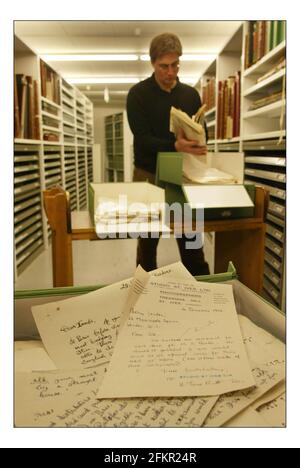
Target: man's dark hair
x: 163, y: 44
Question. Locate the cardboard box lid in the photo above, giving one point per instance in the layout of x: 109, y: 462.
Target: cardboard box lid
x: 217, y: 196
x: 142, y: 192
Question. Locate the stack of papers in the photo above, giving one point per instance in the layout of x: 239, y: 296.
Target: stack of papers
x: 192, y: 129
x: 195, y: 170
x: 110, y: 211
x: 124, y: 218
x: 157, y: 350
x: 194, y: 167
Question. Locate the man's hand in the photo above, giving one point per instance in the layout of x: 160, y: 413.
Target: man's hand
x: 189, y: 146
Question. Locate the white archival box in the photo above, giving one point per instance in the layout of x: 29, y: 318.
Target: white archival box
x: 141, y: 201
x: 217, y: 195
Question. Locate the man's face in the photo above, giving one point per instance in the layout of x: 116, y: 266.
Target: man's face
x: 166, y: 69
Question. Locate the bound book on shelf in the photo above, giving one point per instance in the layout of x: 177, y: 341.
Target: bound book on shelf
x: 265, y: 101
x: 22, y: 98
x: 228, y: 123
x: 16, y: 110
x: 26, y: 107
x: 30, y: 108
x: 279, y: 66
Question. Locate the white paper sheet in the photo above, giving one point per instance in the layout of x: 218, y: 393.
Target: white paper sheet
x: 274, y: 412
x: 267, y: 357
x: 181, y: 339
x: 270, y: 396
x: 192, y: 129
x: 68, y: 399
x: 80, y: 332
x: 39, y: 395
x: 196, y: 170
x: 32, y: 359
x: 247, y: 418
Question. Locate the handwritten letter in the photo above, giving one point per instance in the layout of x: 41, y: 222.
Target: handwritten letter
x: 68, y: 399
x: 81, y: 332
x: 267, y: 357
x: 181, y: 339
x: 274, y: 412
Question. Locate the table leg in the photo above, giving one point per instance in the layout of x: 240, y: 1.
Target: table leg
x: 62, y: 259
x: 57, y: 209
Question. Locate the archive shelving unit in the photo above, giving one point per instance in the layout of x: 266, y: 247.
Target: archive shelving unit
x: 261, y: 137
x: 62, y: 155
x: 264, y: 146
x: 118, y: 148
x: 28, y: 219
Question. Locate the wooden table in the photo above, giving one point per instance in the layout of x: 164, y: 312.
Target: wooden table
x: 238, y: 240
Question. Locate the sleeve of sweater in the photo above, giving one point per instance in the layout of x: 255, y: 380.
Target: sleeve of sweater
x: 141, y: 129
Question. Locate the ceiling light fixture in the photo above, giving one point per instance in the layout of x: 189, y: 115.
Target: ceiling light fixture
x: 123, y: 80
x: 97, y: 93
x: 103, y: 80
x: 197, y: 57
x: 90, y: 57
x: 187, y: 57
x: 191, y: 80
x: 106, y: 95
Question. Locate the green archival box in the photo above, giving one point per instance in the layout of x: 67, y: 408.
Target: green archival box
x: 228, y: 201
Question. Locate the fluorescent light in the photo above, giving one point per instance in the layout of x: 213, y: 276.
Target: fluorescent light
x: 189, y: 79
x: 106, y: 95
x: 145, y: 58
x: 101, y: 92
x: 197, y: 57
x: 90, y: 58
x: 120, y: 80
x: 103, y: 80
x: 118, y: 57
x: 186, y: 57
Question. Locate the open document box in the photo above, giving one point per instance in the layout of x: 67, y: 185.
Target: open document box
x: 127, y: 208
x: 218, y: 199
x: 59, y: 310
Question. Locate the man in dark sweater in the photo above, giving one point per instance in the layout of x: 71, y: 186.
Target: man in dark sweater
x: 148, y: 109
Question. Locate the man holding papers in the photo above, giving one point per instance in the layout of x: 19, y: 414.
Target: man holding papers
x: 148, y: 108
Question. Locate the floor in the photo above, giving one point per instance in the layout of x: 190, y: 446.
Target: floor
x: 95, y: 262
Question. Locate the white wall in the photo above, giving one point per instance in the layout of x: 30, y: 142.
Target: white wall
x: 99, y: 129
